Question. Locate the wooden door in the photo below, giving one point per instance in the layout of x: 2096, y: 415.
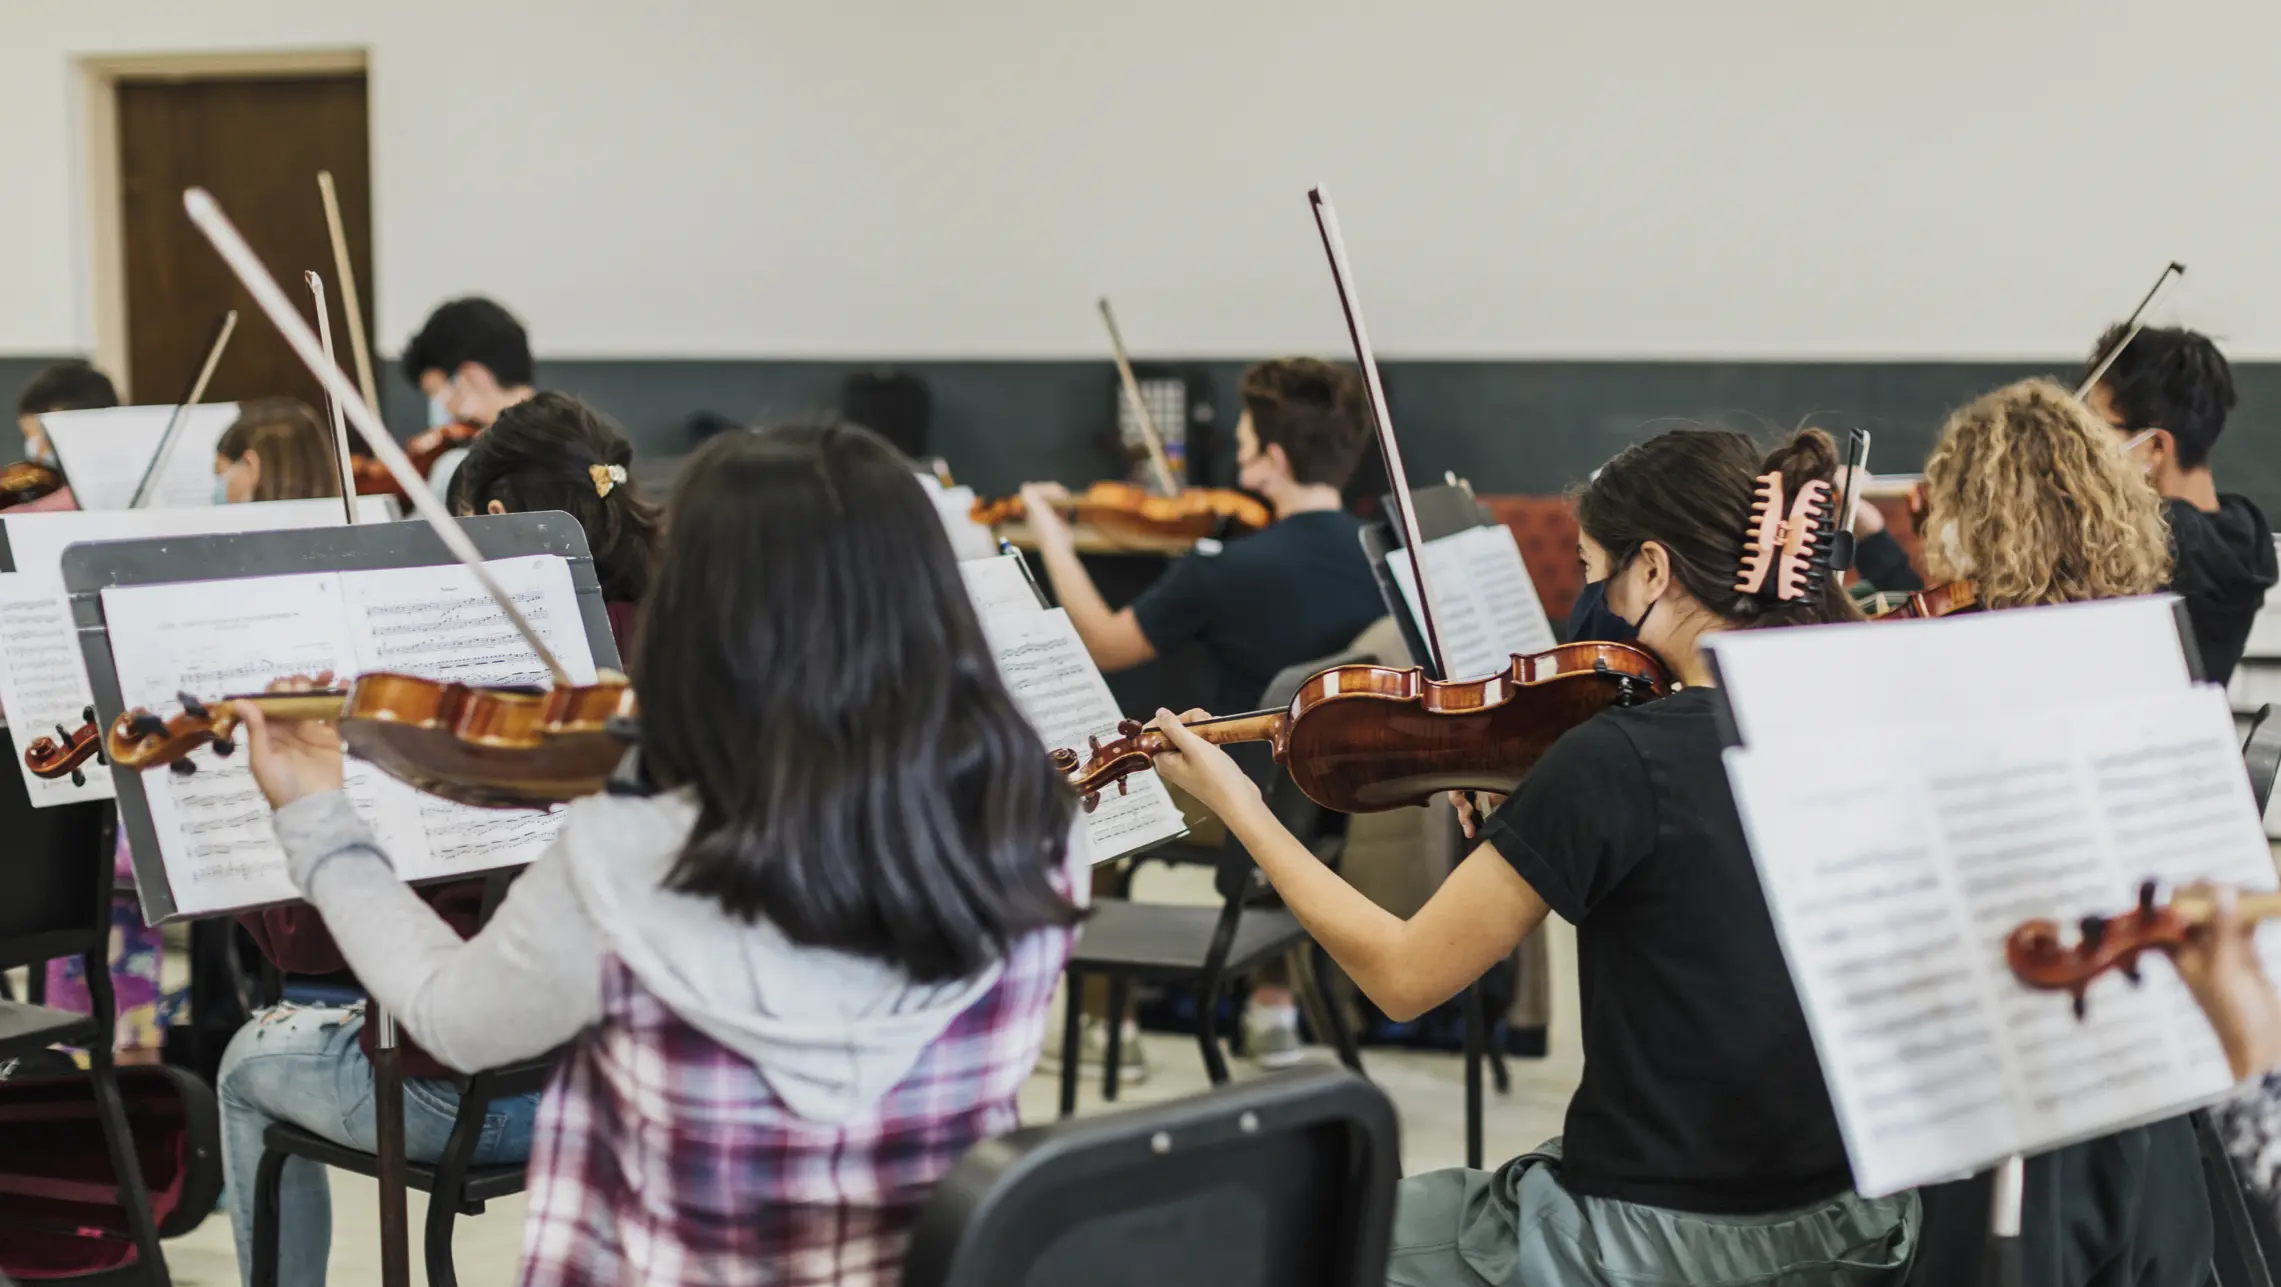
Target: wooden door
x: 256, y: 144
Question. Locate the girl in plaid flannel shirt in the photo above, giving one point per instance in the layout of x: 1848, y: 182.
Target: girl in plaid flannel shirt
x: 796, y: 980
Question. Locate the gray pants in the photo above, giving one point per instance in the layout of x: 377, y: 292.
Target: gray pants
x: 1516, y: 1227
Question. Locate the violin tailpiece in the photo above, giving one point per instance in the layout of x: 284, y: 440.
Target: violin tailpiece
x: 1762, y: 537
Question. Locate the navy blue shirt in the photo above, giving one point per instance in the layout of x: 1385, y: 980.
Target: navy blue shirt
x: 1299, y: 590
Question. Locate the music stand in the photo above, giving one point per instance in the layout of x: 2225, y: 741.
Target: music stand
x: 90, y: 569
x: 1442, y: 511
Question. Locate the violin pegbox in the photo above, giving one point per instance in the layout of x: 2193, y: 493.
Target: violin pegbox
x: 1805, y: 543
x: 1762, y: 537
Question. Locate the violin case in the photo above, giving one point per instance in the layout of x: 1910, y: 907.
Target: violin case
x: 60, y: 1218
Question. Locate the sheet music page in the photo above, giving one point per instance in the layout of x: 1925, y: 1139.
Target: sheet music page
x: 36, y: 541
x: 43, y: 681
x: 1062, y: 693
x: 968, y: 539
x: 104, y: 453
x: 1896, y: 870
x: 437, y: 623
x: 1492, y: 611
x: 214, y: 639
x: 999, y: 584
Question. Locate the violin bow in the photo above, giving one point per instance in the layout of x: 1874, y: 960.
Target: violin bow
x: 351, y: 306
x: 1350, y: 303
x: 2132, y: 325
x: 223, y: 330
x: 1155, y: 443
x: 340, y: 424
x: 207, y: 214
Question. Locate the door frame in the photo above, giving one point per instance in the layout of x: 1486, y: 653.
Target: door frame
x: 99, y: 79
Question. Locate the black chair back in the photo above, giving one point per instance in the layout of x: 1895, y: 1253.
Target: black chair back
x: 57, y: 873
x: 1282, y: 1181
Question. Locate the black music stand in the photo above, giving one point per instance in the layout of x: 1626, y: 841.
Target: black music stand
x: 1442, y: 511
x: 90, y: 569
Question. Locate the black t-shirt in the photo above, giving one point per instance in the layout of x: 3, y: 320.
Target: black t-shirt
x: 1701, y: 1091
x: 1298, y: 590
x: 2225, y: 564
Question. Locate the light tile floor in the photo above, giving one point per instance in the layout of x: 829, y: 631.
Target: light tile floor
x: 1428, y: 1089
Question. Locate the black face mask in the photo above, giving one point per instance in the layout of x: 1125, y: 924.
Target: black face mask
x: 1593, y: 621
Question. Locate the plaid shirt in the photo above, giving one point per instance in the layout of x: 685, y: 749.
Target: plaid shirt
x: 661, y: 1157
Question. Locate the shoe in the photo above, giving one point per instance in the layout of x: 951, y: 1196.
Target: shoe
x: 1271, y: 1037
x: 1093, y: 1052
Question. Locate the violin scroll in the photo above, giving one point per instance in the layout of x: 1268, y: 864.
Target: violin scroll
x: 67, y: 753
x: 2040, y: 956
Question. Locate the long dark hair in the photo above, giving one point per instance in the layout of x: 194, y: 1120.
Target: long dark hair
x: 542, y: 454
x: 812, y: 667
x: 1690, y: 491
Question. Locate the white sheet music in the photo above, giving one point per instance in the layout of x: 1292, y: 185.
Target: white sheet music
x: 1896, y: 869
x: 998, y: 584
x: 43, y: 681
x: 213, y: 827
x: 1485, y: 606
x: 36, y: 541
x: 1062, y: 693
x: 43, y: 677
x: 968, y: 539
x: 104, y: 453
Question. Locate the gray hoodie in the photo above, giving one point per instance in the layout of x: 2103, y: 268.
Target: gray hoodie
x: 829, y: 1032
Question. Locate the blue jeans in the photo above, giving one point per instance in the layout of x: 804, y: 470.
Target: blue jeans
x: 302, y: 1065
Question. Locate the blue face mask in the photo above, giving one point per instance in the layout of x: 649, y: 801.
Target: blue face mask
x: 221, y: 489
x: 439, y: 412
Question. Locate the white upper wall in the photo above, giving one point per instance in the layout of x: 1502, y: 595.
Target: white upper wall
x: 1658, y: 178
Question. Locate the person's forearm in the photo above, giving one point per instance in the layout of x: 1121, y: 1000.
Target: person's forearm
x: 1370, y: 943
x: 517, y: 990
x: 1073, y: 588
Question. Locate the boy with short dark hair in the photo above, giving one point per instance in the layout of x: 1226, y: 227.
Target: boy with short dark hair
x: 2168, y: 393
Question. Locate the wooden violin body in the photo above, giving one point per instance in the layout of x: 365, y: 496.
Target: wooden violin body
x: 1124, y: 507
x: 1938, y: 601
x: 26, y: 481
x: 1362, y: 739
x: 496, y: 748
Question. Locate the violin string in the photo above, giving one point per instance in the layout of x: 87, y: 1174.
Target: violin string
x: 1147, y: 422
x: 207, y: 214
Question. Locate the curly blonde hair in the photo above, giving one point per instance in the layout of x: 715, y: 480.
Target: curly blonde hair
x: 2032, y: 497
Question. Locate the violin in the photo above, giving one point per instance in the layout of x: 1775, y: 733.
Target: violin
x: 26, y: 481
x: 63, y: 755
x: 423, y: 450
x: 492, y: 747
x: 1938, y: 601
x: 2041, y: 958
x: 1364, y: 739
x: 1124, y: 507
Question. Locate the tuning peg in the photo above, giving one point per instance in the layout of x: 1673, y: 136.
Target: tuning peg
x: 2128, y: 968
x: 224, y: 747
x: 1095, y: 743
x: 86, y: 714
x: 145, y: 724
x: 1092, y: 801
x: 78, y: 778
x: 1121, y: 786
x: 62, y: 735
x: 1129, y: 727
x: 2094, y: 930
x: 192, y: 707
x: 2079, y: 1004
x: 182, y: 768
x: 2146, y: 902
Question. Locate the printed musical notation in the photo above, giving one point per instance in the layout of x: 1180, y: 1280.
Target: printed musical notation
x: 217, y: 845
x: 43, y: 681
x: 1062, y: 694
x: 1896, y: 870
x: 1485, y: 606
